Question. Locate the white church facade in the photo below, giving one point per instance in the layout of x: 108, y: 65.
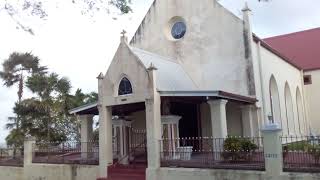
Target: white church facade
x: 193, y: 70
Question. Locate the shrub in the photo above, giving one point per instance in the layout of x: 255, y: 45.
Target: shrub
x: 238, y: 148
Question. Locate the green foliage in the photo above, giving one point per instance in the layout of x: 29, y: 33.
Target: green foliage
x: 45, y: 115
x: 238, y: 148
x: 303, y: 146
x: 122, y: 5
x: 19, y: 66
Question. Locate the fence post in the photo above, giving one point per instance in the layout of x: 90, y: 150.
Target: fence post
x: 28, y: 150
x: 272, y: 150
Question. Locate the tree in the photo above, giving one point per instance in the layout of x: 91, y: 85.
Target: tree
x: 19, y: 66
x: 38, y: 9
x: 15, y: 69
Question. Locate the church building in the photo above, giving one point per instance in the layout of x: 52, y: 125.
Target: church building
x: 195, y: 70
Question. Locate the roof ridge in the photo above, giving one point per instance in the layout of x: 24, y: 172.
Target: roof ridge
x: 167, y: 58
x: 292, y: 33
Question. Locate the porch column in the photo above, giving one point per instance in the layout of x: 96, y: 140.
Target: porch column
x: 170, y: 130
x: 153, y: 124
x: 105, y: 139
x: 86, y: 134
x: 249, y: 115
x: 218, y: 118
x: 122, y: 126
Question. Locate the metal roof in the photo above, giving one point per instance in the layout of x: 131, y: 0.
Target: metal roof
x: 301, y: 48
x: 170, y: 74
x: 83, y: 108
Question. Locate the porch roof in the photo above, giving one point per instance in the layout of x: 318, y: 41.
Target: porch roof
x: 92, y: 108
x: 209, y: 95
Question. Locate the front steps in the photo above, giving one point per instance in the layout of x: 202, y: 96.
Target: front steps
x: 126, y: 172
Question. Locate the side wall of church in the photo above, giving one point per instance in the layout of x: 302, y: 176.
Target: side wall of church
x: 284, y: 74
x: 212, y: 51
x: 312, y: 96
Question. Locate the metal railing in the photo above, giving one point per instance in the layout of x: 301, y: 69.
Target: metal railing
x: 11, y: 157
x: 216, y: 153
x: 66, y: 153
x: 301, y: 153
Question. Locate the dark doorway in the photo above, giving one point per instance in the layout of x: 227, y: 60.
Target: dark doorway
x: 188, y: 125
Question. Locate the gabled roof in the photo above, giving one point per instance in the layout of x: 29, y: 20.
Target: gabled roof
x: 170, y: 74
x: 301, y: 48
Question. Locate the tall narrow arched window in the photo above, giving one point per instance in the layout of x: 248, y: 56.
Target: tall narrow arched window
x: 275, y: 102
x: 292, y: 123
x: 301, y: 120
x: 124, y: 87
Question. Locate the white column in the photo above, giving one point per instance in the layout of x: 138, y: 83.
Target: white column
x: 272, y: 150
x: 86, y: 134
x: 153, y: 124
x: 171, y: 124
x: 218, y: 118
x: 249, y: 115
x: 123, y: 126
x: 105, y: 139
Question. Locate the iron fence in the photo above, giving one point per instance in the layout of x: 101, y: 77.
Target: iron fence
x: 11, y: 157
x: 66, y: 153
x: 301, y: 153
x: 216, y: 153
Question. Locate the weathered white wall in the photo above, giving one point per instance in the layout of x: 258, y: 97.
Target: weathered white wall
x: 60, y: 172
x: 312, y: 94
x: 212, y: 174
x: 49, y: 172
x: 283, y: 73
x: 234, y: 121
x: 212, y: 51
x: 11, y: 173
x: 205, y: 120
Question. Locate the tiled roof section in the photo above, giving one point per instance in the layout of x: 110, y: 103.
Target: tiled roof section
x: 301, y: 48
x: 170, y: 74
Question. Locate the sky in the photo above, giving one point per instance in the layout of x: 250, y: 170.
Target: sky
x: 80, y: 47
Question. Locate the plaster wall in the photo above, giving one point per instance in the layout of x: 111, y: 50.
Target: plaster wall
x: 205, y: 120
x: 283, y: 72
x: 312, y: 95
x: 60, y: 172
x: 49, y: 172
x: 11, y: 173
x: 212, y: 51
x: 211, y: 174
x: 234, y: 120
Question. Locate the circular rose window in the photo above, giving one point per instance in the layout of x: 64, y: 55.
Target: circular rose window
x: 178, y: 30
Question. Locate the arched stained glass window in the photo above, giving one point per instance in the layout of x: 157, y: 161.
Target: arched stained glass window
x: 124, y: 87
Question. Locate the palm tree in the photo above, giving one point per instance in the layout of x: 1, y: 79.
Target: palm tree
x: 15, y: 69
x: 19, y: 66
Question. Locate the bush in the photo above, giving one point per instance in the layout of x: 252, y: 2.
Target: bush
x: 238, y: 149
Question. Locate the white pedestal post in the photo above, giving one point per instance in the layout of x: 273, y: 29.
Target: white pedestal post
x: 272, y: 150
x: 28, y: 150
